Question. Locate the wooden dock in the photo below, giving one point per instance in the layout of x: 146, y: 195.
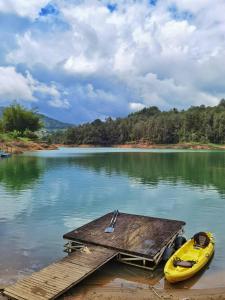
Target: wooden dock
x: 136, y: 240
x: 56, y: 279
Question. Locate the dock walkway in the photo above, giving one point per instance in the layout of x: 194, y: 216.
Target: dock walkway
x: 56, y: 279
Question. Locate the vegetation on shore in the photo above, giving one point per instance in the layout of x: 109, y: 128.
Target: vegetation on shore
x: 200, y: 124
x: 49, y: 124
x: 18, y: 130
x: 198, y: 127
x: 17, y: 121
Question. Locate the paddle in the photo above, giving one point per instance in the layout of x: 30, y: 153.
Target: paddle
x: 110, y: 229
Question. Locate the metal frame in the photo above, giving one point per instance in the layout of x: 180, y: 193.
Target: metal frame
x: 137, y: 261
x: 143, y: 262
x: 72, y: 246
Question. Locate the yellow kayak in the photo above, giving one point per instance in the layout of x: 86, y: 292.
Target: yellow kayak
x: 190, y: 258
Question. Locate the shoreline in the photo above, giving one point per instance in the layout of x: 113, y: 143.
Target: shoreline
x: 19, y: 146
x: 86, y: 292
x: 121, y: 293
x: 135, y: 284
x: 180, y: 146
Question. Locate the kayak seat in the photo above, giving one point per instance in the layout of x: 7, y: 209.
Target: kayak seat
x: 183, y: 263
x: 201, y: 240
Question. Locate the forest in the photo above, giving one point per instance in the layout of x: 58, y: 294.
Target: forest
x: 203, y: 124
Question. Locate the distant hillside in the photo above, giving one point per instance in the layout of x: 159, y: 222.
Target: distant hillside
x: 53, y: 124
x: 199, y: 124
x: 49, y: 123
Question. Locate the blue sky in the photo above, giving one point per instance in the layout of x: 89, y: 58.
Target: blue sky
x: 78, y: 60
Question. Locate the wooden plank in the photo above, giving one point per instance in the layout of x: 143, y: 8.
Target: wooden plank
x: 81, y: 264
x: 134, y: 234
x: 24, y: 294
x: 29, y: 284
x: 89, y: 261
x: 54, y: 280
x: 12, y: 296
x: 50, y: 286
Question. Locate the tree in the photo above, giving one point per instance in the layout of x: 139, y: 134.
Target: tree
x: 1, y: 126
x: 222, y: 103
x: 17, y: 117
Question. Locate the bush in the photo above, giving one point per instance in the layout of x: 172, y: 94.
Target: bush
x: 15, y: 134
x: 30, y: 134
x: 1, y: 126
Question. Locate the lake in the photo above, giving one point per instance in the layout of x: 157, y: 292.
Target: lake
x: 46, y: 194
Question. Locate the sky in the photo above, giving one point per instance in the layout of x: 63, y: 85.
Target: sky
x: 78, y: 60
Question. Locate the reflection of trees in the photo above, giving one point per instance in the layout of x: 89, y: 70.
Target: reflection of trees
x: 196, y: 169
x: 17, y: 173
x: 199, y: 168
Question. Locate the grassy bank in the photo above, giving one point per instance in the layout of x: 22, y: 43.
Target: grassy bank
x: 18, y: 145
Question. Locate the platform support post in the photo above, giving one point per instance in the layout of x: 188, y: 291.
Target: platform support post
x: 72, y: 246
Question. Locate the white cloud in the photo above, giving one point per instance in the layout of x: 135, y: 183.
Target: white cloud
x: 16, y: 86
x: 44, y: 49
x: 168, y: 93
x: 168, y: 55
x: 59, y: 103
x: 136, y: 106
x: 81, y: 65
x: 24, y: 8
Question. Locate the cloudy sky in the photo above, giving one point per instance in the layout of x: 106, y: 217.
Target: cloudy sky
x: 78, y: 60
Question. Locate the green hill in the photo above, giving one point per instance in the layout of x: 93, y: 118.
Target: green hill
x: 49, y: 123
x: 199, y: 124
x: 53, y: 124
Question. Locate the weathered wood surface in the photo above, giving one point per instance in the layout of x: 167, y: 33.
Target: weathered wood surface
x: 54, y: 280
x: 133, y: 234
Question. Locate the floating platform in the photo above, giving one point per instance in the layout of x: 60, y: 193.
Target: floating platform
x: 140, y: 240
x: 136, y: 240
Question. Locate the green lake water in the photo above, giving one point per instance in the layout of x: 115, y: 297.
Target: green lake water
x: 46, y: 194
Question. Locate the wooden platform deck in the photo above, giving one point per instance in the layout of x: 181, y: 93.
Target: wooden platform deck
x: 54, y: 280
x: 134, y: 234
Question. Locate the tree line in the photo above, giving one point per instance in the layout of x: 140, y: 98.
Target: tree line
x: 204, y: 124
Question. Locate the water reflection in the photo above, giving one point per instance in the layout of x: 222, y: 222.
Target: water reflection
x: 45, y: 194
x: 18, y: 173
x: 204, y: 169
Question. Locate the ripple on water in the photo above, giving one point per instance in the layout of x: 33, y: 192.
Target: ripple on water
x: 45, y: 194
